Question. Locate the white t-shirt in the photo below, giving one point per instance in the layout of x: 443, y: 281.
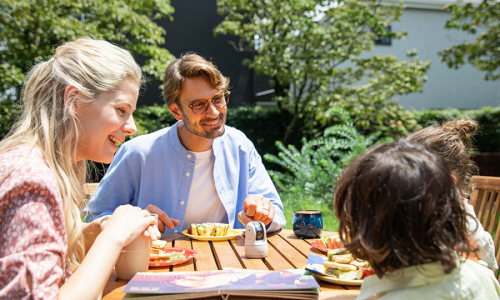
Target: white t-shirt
x: 204, y: 204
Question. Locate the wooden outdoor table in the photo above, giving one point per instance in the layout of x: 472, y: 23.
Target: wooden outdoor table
x: 286, y: 251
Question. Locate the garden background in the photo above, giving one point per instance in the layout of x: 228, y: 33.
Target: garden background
x: 331, y: 99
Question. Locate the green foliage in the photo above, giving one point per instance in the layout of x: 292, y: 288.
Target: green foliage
x: 152, y: 118
x: 488, y: 138
x: 484, y: 52
x: 372, y: 115
x: 311, y: 50
x: 31, y: 30
x: 261, y: 126
x: 312, y: 172
x: 9, y: 113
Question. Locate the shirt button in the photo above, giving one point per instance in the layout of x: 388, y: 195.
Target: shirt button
x: 188, y: 174
x: 189, y: 156
x: 182, y: 202
x: 176, y: 231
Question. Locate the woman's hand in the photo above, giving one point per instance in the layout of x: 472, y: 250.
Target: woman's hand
x: 128, y: 222
x: 110, y: 234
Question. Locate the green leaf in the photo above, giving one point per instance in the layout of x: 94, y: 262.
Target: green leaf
x: 31, y: 30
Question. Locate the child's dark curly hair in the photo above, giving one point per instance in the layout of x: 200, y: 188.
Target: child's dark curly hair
x: 398, y: 206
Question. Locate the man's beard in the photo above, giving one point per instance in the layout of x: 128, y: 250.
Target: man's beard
x: 199, y: 131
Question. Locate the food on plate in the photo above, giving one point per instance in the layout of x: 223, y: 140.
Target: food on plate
x: 159, y: 244
x: 341, y: 264
x: 333, y: 252
x: 157, y: 252
x: 209, y: 229
x: 342, y: 258
x: 335, y: 268
x: 331, y: 242
x: 162, y: 255
x: 359, y: 263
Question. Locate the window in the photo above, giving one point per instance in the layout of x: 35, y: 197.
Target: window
x: 385, y: 40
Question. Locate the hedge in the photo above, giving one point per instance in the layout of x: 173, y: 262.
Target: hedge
x: 488, y: 138
x: 265, y: 126
x: 262, y: 126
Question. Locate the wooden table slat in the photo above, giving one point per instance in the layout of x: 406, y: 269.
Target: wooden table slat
x: 256, y: 264
x: 225, y: 255
x: 276, y: 261
x: 292, y: 255
x: 204, y: 261
x: 302, y: 245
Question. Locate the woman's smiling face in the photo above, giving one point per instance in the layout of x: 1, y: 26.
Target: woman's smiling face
x: 105, y: 122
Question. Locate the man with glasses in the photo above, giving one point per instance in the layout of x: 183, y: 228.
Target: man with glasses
x: 199, y: 170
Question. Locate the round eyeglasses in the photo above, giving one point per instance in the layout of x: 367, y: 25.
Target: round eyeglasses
x: 219, y: 101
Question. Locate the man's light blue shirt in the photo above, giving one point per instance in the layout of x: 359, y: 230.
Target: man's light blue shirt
x: 156, y: 169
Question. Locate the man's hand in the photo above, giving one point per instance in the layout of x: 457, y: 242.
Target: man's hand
x: 163, y: 219
x: 257, y: 208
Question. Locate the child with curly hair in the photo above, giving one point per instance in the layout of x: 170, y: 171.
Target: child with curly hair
x: 400, y: 210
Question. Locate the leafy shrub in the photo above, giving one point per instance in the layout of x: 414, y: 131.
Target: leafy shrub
x: 388, y: 117
x: 262, y: 126
x: 310, y: 174
x: 9, y: 113
x: 265, y: 126
x: 488, y: 138
x: 152, y: 118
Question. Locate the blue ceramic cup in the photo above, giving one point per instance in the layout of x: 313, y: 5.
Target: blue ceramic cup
x: 307, y: 224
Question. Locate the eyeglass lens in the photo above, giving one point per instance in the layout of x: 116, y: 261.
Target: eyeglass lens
x: 219, y: 101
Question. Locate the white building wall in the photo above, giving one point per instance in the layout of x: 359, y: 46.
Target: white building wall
x: 445, y: 88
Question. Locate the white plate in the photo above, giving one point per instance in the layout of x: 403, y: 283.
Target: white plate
x: 337, y: 280
x: 316, y: 267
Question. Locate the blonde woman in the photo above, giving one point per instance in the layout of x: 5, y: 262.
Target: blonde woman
x: 77, y: 106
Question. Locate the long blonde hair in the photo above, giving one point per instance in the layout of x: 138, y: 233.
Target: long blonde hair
x: 49, y: 124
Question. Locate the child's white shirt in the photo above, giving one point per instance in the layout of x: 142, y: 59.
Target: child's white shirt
x: 481, y: 237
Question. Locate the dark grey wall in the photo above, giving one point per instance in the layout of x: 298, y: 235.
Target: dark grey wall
x: 192, y: 31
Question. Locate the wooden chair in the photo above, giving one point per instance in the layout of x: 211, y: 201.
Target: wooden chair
x: 89, y: 189
x: 485, y: 198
